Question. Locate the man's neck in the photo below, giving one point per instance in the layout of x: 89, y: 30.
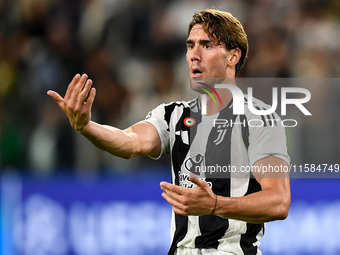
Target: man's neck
x: 213, y: 105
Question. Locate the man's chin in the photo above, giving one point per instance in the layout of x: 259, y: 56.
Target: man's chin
x: 194, y: 82
x: 200, y: 85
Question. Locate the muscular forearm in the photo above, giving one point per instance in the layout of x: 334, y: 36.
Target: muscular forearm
x: 118, y: 142
x: 263, y: 206
x: 139, y: 139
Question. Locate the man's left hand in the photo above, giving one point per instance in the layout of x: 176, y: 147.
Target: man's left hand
x: 196, y: 201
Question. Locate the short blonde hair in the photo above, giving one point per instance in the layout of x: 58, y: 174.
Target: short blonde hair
x: 224, y: 27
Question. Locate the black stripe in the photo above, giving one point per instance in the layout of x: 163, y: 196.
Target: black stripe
x: 253, y: 186
x: 169, y: 110
x: 180, y: 149
x: 179, y: 152
x: 275, y: 122
x: 212, y: 227
x: 269, y: 120
x: 248, y: 238
x: 180, y: 232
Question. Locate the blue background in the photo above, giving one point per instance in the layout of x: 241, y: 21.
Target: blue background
x: 125, y: 214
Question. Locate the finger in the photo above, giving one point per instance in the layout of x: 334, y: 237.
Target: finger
x: 175, y: 204
x: 179, y: 211
x: 84, y: 93
x: 173, y: 195
x: 57, y: 98
x: 197, y: 181
x: 172, y: 188
x: 71, y: 86
x: 77, y: 89
x: 81, y: 83
x: 90, y: 100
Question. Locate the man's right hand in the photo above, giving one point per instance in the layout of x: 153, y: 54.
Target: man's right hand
x: 74, y: 104
x: 141, y: 138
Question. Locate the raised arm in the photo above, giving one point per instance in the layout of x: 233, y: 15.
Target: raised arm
x: 140, y: 139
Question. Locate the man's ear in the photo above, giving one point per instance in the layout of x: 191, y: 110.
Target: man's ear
x: 234, y: 56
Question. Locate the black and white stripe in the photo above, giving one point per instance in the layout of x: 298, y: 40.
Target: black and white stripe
x: 242, y: 145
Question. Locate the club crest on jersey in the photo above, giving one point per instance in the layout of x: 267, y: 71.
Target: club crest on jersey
x: 189, y: 122
x: 221, y: 131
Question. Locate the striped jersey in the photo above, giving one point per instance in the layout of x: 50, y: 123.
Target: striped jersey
x: 218, y: 149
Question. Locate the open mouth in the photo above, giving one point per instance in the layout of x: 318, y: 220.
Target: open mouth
x: 196, y: 73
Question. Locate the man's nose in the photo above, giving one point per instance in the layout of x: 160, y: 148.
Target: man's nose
x: 196, y: 54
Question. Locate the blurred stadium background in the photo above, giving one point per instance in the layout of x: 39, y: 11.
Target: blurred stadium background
x: 60, y: 195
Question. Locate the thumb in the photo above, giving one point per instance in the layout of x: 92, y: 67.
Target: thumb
x: 197, y: 181
x: 56, y: 97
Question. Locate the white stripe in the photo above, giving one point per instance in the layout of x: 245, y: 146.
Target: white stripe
x: 232, y: 238
x: 204, y: 104
x: 185, y: 137
x: 239, y: 181
x: 192, y: 233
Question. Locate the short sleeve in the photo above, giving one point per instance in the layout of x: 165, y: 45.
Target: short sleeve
x: 268, y: 139
x: 156, y: 117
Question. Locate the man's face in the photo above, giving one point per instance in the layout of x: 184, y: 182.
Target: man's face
x: 206, y: 58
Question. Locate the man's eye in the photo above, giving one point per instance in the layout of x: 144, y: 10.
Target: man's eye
x: 190, y: 46
x: 207, y: 46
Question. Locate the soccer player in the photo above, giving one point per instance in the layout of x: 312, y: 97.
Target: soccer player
x: 211, y: 215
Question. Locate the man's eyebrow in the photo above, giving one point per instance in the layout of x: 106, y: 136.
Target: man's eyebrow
x: 190, y: 41
x: 202, y: 41
x: 206, y: 41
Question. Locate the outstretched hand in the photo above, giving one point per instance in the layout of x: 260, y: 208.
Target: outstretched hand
x: 196, y: 201
x: 74, y: 104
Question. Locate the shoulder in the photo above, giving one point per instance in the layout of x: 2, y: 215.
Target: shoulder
x: 192, y: 104
x: 175, y: 107
x: 254, y: 107
x: 166, y: 115
x: 255, y: 102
